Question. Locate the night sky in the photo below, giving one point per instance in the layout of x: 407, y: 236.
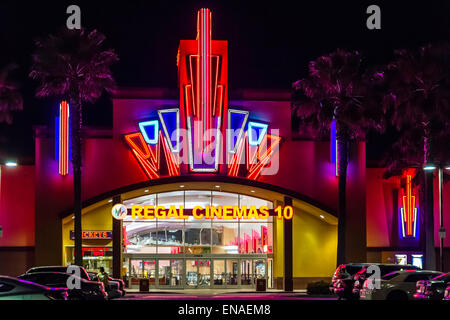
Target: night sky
x: 270, y: 45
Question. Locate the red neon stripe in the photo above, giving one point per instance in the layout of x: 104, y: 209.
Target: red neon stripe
x: 256, y: 170
x: 151, y: 174
x: 234, y: 166
x: 172, y: 163
x: 145, y: 153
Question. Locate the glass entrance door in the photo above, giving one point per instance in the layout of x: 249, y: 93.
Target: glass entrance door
x: 204, y: 273
x: 191, y: 274
x: 219, y: 274
x: 176, y: 279
x: 247, y: 272
x: 149, y: 271
x: 198, y: 273
x: 231, y: 272
x: 164, y: 273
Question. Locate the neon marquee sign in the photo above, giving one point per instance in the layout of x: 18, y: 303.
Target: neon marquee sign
x: 188, y: 137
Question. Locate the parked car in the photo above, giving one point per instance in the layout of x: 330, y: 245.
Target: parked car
x: 363, y: 274
x: 83, y: 273
x: 447, y: 294
x: 397, y: 285
x: 89, y: 290
x: 120, y: 282
x: 113, y: 291
x: 342, y: 280
x: 433, y: 289
x: 17, y: 289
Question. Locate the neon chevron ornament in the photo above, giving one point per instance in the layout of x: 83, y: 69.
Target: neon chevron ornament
x: 408, y: 211
x: 190, y: 136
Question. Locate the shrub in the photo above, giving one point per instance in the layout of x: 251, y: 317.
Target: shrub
x: 319, y: 287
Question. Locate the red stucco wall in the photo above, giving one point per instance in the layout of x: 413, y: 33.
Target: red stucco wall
x: 17, y: 206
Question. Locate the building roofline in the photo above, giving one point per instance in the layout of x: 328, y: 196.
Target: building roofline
x: 167, y: 93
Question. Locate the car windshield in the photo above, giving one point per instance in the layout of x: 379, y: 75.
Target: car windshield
x: 390, y: 276
x: 442, y: 277
x: 83, y: 273
x: 389, y: 269
x: 351, y: 269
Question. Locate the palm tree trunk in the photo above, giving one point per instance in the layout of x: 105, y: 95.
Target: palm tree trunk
x: 76, y: 118
x: 342, y: 171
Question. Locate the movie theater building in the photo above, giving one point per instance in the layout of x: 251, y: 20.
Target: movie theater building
x: 202, y: 145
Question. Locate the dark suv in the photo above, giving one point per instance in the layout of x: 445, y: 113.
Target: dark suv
x: 342, y: 280
x: 88, y: 290
x: 113, y: 292
x: 363, y: 274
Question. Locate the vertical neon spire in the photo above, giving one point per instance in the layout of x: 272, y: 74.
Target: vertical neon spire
x: 204, y: 87
x: 63, y: 157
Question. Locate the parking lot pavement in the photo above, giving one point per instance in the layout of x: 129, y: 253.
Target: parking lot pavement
x: 230, y: 296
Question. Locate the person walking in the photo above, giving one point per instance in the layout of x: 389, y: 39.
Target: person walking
x: 103, y: 278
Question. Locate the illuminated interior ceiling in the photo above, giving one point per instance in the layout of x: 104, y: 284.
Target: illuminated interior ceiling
x: 251, y: 191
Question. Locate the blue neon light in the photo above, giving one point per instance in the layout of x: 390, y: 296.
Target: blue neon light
x: 57, y: 140
x: 237, y: 120
x: 170, y: 121
x: 150, y: 134
x: 256, y: 132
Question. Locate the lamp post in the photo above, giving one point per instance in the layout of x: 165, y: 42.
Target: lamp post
x: 441, y: 216
x: 442, y: 233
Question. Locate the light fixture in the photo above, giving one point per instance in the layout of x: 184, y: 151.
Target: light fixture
x: 110, y: 200
x: 217, y: 186
x: 182, y: 186
x: 429, y: 167
x: 11, y: 164
x: 322, y: 216
x: 447, y: 168
x: 146, y: 190
x: 252, y: 191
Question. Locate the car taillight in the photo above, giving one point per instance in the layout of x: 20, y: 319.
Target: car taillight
x: 57, y: 295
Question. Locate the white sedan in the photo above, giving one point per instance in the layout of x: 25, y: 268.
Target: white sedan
x: 16, y: 289
x: 398, y: 285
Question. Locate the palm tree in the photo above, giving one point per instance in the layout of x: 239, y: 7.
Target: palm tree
x: 74, y: 65
x: 418, y: 91
x: 337, y: 88
x: 10, y: 97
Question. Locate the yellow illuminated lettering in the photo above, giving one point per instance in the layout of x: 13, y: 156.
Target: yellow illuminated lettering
x: 227, y: 212
x: 172, y: 212
x: 264, y: 212
x: 136, y: 210
x: 216, y: 212
x: 160, y: 212
x: 148, y: 212
x: 253, y: 213
x: 197, y: 215
x: 240, y: 212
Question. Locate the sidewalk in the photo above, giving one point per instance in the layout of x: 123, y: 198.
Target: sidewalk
x: 215, y: 291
